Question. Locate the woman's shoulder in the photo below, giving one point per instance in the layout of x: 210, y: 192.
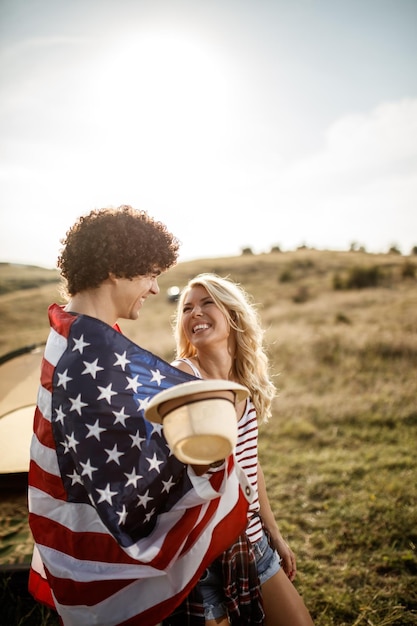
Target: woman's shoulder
x: 248, y: 417
x: 187, y: 365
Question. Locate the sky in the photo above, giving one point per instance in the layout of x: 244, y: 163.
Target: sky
x: 237, y: 123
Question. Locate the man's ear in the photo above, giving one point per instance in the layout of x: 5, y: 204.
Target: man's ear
x: 112, y: 278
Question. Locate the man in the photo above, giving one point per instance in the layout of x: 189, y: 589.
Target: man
x: 122, y: 529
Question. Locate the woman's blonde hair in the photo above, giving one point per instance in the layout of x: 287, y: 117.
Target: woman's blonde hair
x: 251, y: 363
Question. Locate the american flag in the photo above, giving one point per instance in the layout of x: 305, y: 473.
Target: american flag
x: 122, y: 529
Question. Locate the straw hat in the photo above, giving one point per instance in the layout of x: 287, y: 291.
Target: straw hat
x: 199, y: 418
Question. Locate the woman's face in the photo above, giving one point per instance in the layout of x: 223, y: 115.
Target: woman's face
x: 203, y: 322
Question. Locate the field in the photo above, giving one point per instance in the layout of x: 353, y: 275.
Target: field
x: 339, y: 454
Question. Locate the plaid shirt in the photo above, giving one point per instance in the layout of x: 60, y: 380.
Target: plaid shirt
x: 240, y: 586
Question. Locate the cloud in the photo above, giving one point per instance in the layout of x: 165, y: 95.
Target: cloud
x: 362, y: 147
x: 360, y: 187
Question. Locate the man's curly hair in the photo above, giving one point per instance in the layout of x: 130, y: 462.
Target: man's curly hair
x: 121, y: 241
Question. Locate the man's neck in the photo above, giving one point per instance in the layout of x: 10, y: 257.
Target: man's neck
x: 95, y: 303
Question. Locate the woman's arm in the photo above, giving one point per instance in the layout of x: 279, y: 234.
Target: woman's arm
x: 287, y: 555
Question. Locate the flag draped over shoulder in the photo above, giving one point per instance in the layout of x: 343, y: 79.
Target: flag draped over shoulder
x: 122, y: 529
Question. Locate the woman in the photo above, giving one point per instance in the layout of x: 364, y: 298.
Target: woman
x: 218, y: 335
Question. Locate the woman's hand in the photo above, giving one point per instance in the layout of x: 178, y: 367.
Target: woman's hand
x: 288, y: 561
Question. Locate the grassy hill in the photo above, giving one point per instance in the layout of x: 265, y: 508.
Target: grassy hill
x: 339, y: 454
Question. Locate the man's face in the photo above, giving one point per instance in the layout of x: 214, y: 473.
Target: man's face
x: 131, y: 294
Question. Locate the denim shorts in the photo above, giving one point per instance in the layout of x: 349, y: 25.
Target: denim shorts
x: 210, y: 585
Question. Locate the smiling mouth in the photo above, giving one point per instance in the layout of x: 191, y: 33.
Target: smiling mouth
x: 199, y: 327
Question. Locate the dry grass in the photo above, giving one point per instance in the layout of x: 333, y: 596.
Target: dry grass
x: 339, y: 453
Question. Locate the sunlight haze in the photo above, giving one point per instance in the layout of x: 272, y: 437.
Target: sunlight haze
x: 238, y: 123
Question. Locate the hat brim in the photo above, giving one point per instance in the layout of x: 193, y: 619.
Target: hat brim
x: 192, y: 388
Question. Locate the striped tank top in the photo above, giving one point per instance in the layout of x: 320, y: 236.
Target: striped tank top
x: 246, y: 454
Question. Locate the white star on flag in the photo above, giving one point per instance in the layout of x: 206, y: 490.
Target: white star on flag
x: 65, y: 445
x: 114, y: 454
x: 121, y: 360
x: 59, y: 414
x: 144, y: 499
x: 143, y: 403
x: 106, y: 392
x: 156, y: 428
x: 94, y: 430
x: 168, y: 484
x: 157, y: 377
x: 72, y: 442
x: 106, y: 495
x: 63, y: 379
x: 77, y: 404
x: 80, y: 344
x: 133, y: 383
x: 122, y: 515
x: 154, y: 463
x: 132, y: 478
x: 137, y: 440
x: 75, y: 478
x: 88, y: 469
x: 92, y: 368
x: 149, y: 515
x: 120, y: 416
